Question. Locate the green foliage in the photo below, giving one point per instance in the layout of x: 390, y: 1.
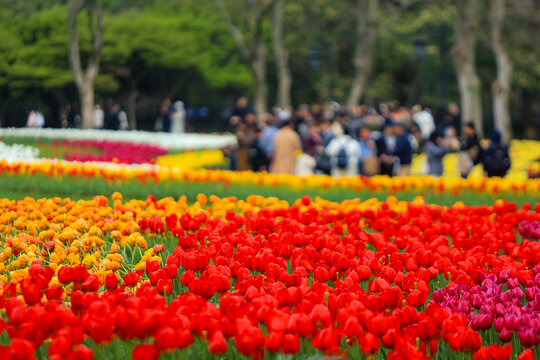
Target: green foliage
x: 36, y: 49
x: 180, y: 36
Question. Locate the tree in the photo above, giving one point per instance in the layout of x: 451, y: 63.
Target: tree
x: 365, y: 36
x: 282, y: 57
x: 501, y: 85
x: 463, y: 53
x: 85, y: 80
x: 251, y: 44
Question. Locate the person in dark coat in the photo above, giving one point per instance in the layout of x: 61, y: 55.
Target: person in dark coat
x: 471, y: 151
x: 385, y: 145
x: 496, y: 158
x: 403, y: 150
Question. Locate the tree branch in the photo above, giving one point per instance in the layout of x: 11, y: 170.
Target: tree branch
x: 235, y: 32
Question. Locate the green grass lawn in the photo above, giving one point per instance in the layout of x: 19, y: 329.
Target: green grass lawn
x: 77, y: 187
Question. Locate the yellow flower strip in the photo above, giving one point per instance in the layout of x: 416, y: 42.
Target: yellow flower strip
x: 155, y: 173
x: 192, y: 160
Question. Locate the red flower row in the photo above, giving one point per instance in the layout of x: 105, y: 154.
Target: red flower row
x: 112, y: 151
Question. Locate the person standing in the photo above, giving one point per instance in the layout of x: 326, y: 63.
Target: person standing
x: 113, y: 122
x: 386, y: 143
x: 369, y: 162
x: 166, y: 112
x: 239, y: 111
x: 326, y: 136
x: 268, y: 135
x: 256, y: 155
x: 178, y: 118
x: 424, y: 120
x: 450, y: 138
x: 124, y: 123
x: 455, y: 117
x: 70, y: 117
x: 245, y: 135
x: 403, y: 150
x: 471, y: 151
x: 35, y: 118
x: 98, y: 117
x: 496, y: 158
x: 286, y: 144
x: 344, y: 153
x: 435, y: 151
x: 357, y: 120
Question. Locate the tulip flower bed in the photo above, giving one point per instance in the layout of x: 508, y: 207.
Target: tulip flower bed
x: 93, y: 150
x: 112, y: 151
x: 108, y: 151
x: 55, y: 178
x: 262, y: 278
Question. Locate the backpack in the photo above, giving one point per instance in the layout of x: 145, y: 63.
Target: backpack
x: 498, y: 161
x: 342, y: 158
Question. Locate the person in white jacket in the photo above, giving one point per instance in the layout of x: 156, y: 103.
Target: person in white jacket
x: 344, y: 153
x: 178, y: 118
x: 424, y: 120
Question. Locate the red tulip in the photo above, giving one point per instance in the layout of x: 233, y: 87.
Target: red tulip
x: 91, y: 283
x: 31, y: 292
x: 291, y: 344
x: 131, y: 279
x: 250, y: 341
x: 321, y: 274
x: 528, y: 353
x: 79, y: 274
x: 327, y: 340
x: 65, y: 275
x: 218, y: 343
x: 21, y: 349
x: 54, y: 293
x: 81, y: 352
x: 498, y: 352
x: 171, y: 271
x: 184, y: 338
x: 111, y: 281
x: 145, y: 352
x: 320, y: 314
x: 370, y: 343
x: 273, y: 341
x: 164, y: 287
x: 60, y: 346
x: 152, y: 266
x: 166, y: 339
x: 278, y: 321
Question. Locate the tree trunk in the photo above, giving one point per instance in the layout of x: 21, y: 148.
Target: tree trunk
x: 282, y: 57
x: 258, y: 67
x: 365, y: 36
x: 501, y: 85
x: 85, y: 79
x: 86, y: 96
x: 463, y: 54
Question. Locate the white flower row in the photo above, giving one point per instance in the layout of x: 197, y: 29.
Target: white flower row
x: 17, y: 152
x: 101, y: 165
x: 166, y: 140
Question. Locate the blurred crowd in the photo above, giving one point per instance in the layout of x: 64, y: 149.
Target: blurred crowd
x: 171, y: 117
x: 366, y: 140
